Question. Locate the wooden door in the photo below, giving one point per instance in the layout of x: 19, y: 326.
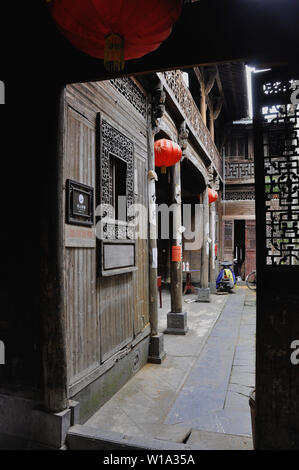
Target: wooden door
x: 228, y: 237
x: 250, y: 246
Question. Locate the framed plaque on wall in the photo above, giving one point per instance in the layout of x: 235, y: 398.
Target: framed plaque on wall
x: 79, y: 203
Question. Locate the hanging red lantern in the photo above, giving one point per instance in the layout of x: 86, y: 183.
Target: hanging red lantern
x: 116, y: 30
x: 213, y: 195
x: 167, y: 153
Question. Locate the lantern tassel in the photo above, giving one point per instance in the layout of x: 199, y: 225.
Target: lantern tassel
x: 114, y: 53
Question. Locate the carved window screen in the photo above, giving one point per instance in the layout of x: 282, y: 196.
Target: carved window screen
x: 115, y: 177
x: 277, y: 160
x: 115, y: 156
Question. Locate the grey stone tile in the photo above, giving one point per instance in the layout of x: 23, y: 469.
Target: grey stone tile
x: 241, y: 389
x: 243, y: 378
x: 237, y: 401
x: 224, y: 421
x: 219, y: 441
x: 176, y: 433
x: 194, y: 383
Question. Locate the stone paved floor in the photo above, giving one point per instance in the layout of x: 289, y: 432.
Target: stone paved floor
x: 199, y: 394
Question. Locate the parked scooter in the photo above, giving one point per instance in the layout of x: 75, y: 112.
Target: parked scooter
x: 226, y: 279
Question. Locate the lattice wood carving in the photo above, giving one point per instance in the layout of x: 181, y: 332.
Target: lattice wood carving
x: 239, y: 170
x: 132, y: 93
x: 173, y: 80
x: 281, y: 172
x: 239, y: 196
x: 117, y: 144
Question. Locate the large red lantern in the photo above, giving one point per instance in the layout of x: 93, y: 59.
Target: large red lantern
x: 167, y: 153
x: 213, y: 195
x: 116, y: 30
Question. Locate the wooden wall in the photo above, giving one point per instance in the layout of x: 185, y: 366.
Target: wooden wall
x: 239, y: 209
x: 103, y: 314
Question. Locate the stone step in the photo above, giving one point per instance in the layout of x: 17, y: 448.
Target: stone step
x: 82, y: 437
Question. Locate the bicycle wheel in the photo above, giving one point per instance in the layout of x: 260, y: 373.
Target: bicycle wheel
x: 251, y: 280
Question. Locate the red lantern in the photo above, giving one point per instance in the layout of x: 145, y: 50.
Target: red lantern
x: 167, y: 153
x: 213, y: 196
x: 116, y: 30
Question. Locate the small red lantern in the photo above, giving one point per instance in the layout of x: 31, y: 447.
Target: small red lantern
x: 167, y: 153
x: 213, y: 196
x: 116, y: 30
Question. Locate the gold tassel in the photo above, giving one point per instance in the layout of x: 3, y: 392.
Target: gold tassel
x: 114, y: 53
x: 163, y: 170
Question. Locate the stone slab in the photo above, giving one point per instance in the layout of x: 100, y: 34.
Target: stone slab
x: 206, y: 387
x: 218, y: 441
x: 174, y: 433
x: 87, y: 438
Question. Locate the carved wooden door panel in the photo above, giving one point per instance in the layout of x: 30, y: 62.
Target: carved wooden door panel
x: 228, y: 248
x: 250, y: 246
x: 276, y: 132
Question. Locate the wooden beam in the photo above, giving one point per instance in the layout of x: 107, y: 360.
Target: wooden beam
x: 210, y: 81
x: 220, y: 88
x: 217, y: 107
x: 205, y: 100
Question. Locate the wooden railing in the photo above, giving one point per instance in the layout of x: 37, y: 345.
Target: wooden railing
x: 239, y: 170
x: 180, y: 94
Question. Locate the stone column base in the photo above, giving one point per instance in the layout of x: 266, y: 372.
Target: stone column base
x: 156, y: 349
x: 176, y: 323
x: 50, y: 428
x: 212, y: 286
x: 203, y: 295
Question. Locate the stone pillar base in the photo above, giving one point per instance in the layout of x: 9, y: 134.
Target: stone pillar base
x: 50, y: 428
x: 156, y: 349
x: 32, y: 427
x: 212, y: 286
x: 75, y: 412
x: 203, y: 295
x: 176, y: 323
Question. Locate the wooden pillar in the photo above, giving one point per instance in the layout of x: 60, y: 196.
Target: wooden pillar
x: 153, y: 252
x: 204, y: 278
x: 155, y: 112
x: 176, y: 319
x: 203, y: 104
x: 176, y: 266
x: 168, y: 263
x: 212, y: 223
x: 52, y: 274
x: 211, y: 125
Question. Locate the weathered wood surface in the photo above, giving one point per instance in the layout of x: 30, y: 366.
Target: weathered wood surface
x: 250, y: 246
x: 103, y: 314
x: 176, y: 266
x: 240, y: 209
x: 228, y: 237
x: 52, y: 300
x: 204, y: 274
